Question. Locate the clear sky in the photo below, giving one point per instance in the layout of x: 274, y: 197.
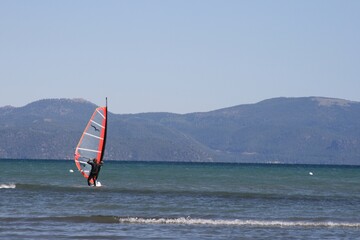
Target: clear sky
x: 178, y: 56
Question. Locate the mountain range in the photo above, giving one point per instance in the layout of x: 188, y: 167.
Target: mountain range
x: 305, y: 130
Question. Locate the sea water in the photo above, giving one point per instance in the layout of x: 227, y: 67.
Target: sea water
x: 146, y: 200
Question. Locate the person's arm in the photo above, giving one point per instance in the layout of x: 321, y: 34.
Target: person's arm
x: 91, y: 163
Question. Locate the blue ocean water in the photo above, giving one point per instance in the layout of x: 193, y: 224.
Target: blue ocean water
x: 139, y: 200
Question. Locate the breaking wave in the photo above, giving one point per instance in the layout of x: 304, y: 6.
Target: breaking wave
x: 7, y: 185
x: 237, y: 222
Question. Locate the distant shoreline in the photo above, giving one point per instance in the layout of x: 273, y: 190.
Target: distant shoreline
x: 194, y: 163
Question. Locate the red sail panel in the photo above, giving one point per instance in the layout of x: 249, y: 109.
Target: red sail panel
x: 92, y: 141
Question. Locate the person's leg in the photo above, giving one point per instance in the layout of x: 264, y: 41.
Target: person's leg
x: 91, y: 176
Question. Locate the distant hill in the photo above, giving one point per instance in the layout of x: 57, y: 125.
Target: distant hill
x: 311, y: 130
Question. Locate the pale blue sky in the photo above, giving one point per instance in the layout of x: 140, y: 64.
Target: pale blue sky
x: 178, y: 56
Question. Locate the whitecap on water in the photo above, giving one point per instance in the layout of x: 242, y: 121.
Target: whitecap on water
x: 7, y: 185
x: 236, y: 222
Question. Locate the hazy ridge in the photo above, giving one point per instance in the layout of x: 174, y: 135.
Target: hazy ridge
x: 312, y: 130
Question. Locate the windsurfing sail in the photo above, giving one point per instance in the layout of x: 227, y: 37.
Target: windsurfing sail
x: 92, y: 141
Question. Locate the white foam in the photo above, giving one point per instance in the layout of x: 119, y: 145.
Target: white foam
x: 9, y: 185
x: 236, y: 222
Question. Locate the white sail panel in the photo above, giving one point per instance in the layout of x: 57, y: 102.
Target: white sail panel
x: 92, y: 141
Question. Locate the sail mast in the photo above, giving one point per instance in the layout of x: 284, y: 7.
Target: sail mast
x: 106, y: 117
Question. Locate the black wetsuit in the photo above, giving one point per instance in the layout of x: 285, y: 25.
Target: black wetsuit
x: 94, y: 173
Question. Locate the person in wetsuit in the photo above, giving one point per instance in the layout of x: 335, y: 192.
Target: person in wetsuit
x: 95, y: 169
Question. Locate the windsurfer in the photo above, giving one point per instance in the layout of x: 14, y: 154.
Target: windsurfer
x: 95, y: 169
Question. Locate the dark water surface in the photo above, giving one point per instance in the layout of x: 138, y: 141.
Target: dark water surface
x: 45, y: 200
